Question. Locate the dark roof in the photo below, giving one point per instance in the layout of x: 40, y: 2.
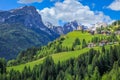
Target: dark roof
x: 104, y: 41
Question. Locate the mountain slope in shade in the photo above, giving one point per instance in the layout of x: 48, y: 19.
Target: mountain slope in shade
x: 20, y: 29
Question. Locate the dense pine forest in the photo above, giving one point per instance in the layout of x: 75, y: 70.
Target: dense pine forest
x: 93, y: 65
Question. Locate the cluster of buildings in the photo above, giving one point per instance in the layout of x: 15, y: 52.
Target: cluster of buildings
x: 98, y: 25
x: 93, y: 30
x: 102, y: 43
x: 93, y: 27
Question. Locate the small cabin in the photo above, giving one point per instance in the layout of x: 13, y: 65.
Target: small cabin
x: 106, y: 32
x: 103, y: 42
x: 115, y: 42
x: 90, y: 45
x: 103, y: 32
x: 79, y: 28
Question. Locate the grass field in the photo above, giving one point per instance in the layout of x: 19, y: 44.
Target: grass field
x: 57, y: 57
x: 70, y: 37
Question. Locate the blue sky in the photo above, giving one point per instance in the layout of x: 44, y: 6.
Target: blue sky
x: 101, y: 5
x: 50, y: 9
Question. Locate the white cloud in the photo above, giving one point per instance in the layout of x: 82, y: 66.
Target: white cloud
x: 28, y: 1
x: 115, y: 5
x: 70, y: 10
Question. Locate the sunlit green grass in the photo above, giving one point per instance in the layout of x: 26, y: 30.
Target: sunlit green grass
x: 57, y: 57
x: 70, y: 37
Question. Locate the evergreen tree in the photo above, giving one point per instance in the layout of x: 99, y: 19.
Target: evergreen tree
x: 84, y: 44
x: 2, y: 65
x: 96, y: 75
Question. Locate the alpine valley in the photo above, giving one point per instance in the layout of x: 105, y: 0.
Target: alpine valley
x: 31, y: 49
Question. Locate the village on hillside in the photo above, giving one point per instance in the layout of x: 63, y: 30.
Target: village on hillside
x: 103, y: 29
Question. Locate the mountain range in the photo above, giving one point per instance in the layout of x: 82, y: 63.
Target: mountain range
x: 23, y: 28
x: 66, y: 28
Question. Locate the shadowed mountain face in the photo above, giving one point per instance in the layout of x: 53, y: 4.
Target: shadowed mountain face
x: 21, y: 29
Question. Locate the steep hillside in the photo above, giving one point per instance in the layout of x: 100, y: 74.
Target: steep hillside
x: 60, y: 49
x: 66, y: 42
x: 63, y: 56
x: 20, y: 29
x: 15, y: 38
x: 63, y: 44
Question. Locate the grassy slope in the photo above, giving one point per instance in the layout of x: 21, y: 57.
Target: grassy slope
x: 70, y: 37
x: 57, y: 57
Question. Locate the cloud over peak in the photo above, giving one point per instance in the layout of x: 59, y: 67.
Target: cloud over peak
x: 70, y: 10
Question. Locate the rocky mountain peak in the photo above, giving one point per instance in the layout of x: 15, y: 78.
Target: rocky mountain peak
x: 25, y: 26
x: 26, y: 15
x: 70, y: 26
x: 24, y: 9
x: 49, y: 25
